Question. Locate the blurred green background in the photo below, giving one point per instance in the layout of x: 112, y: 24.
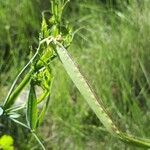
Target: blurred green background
x: 112, y: 48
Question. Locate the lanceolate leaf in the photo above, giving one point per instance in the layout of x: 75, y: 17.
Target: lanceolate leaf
x: 44, y: 109
x: 32, y: 111
x: 97, y: 106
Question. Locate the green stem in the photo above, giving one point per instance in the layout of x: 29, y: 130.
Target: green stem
x: 38, y: 140
x: 17, y: 91
x: 130, y: 139
x: 33, y: 133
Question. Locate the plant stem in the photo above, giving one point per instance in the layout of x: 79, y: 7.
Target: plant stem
x: 130, y: 139
x: 17, y: 91
x: 36, y: 137
x: 38, y: 140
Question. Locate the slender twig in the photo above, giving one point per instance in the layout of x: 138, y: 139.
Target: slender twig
x: 33, y: 133
x: 38, y: 140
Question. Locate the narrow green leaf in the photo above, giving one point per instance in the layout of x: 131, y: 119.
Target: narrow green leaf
x: 32, y: 111
x: 44, y: 109
x: 45, y: 106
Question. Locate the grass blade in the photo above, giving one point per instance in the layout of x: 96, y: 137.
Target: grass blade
x: 44, y: 109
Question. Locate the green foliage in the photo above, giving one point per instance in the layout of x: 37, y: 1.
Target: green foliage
x: 111, y: 53
x: 108, y: 49
x: 6, y: 142
x: 40, y: 75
